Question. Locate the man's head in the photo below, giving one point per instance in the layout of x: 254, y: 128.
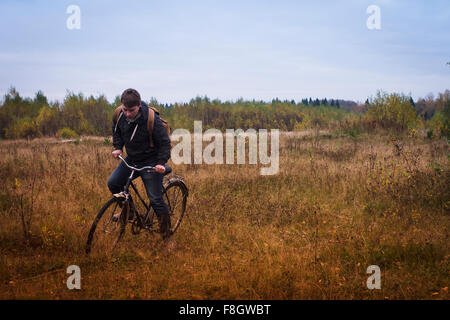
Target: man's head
x: 131, y: 103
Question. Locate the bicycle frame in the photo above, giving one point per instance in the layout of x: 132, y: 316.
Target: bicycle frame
x: 126, y: 194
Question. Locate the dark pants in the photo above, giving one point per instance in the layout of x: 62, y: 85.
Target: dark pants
x: 152, y: 182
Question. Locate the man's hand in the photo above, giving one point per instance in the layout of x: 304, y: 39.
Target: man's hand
x: 160, y: 169
x: 116, y: 154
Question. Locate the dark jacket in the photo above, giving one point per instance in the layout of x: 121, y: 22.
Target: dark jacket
x: 138, y: 148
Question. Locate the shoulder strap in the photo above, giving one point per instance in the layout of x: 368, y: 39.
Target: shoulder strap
x: 117, y: 114
x: 151, y: 122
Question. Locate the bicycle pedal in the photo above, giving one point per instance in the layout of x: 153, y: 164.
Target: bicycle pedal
x: 148, y: 226
x: 115, y: 218
x: 119, y: 195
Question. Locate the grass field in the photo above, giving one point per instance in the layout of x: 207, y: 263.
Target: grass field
x: 337, y: 206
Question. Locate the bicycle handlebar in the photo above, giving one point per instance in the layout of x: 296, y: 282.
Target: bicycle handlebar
x: 134, y: 168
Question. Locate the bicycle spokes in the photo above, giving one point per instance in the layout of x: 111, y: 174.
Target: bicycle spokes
x: 108, y: 227
x: 174, y: 198
x: 113, y: 221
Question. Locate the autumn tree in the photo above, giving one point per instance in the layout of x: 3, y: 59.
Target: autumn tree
x: 392, y: 110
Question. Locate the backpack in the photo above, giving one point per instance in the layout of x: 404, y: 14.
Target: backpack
x: 150, y: 122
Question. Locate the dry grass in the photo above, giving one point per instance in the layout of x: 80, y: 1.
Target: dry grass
x: 337, y: 206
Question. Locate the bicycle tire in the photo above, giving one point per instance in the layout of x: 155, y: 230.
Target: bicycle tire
x: 175, y: 194
x: 106, y: 240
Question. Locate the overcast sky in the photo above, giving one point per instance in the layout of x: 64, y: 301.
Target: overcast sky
x: 176, y: 50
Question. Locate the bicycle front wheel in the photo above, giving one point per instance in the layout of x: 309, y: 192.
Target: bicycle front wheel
x: 108, y: 227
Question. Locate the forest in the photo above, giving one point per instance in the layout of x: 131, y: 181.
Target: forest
x: 77, y: 114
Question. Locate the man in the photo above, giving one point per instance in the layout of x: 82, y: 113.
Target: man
x: 130, y: 130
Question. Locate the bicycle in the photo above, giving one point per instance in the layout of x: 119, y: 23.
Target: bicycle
x: 112, y: 219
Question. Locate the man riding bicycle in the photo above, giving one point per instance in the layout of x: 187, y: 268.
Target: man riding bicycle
x: 130, y: 130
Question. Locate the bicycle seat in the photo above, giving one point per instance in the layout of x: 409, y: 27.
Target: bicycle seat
x: 168, y: 169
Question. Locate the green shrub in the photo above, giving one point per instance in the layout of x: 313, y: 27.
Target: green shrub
x: 107, y: 142
x: 66, y: 133
x: 392, y: 111
x: 440, y: 122
x: 24, y: 128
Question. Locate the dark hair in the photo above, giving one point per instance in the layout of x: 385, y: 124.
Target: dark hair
x: 130, y: 98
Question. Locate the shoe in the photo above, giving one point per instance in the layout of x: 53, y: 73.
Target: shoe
x: 164, y: 225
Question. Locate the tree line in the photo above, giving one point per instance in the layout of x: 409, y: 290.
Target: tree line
x: 81, y: 115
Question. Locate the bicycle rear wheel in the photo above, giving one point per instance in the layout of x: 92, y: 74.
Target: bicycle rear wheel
x: 108, y: 227
x: 175, y: 194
